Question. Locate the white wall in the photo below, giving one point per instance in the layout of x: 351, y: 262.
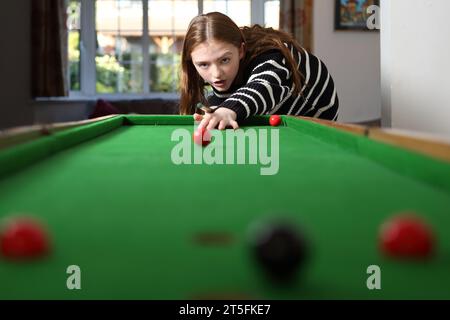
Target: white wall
x: 353, y: 57
x: 415, y: 66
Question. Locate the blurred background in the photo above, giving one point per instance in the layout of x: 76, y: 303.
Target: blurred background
x: 59, y: 58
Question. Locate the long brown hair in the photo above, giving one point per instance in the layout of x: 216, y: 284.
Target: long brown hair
x: 217, y: 26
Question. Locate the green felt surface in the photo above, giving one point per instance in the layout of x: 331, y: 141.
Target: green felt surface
x: 118, y: 207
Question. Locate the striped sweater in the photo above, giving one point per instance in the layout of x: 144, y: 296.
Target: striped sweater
x: 267, y: 88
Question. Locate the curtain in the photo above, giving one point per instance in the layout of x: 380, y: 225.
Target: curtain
x: 49, y: 48
x: 296, y: 17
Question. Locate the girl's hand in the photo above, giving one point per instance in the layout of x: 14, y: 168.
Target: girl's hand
x: 221, y: 118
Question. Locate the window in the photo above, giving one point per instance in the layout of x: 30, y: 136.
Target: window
x: 238, y: 10
x: 134, y: 46
x: 118, y: 56
x: 73, y: 26
x: 271, y: 14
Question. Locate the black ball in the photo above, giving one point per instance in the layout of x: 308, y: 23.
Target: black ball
x: 280, y: 249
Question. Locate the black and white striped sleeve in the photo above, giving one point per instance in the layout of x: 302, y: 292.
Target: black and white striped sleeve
x: 215, y: 101
x: 268, y: 85
x: 318, y: 96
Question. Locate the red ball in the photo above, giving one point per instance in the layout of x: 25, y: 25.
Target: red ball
x: 275, y: 120
x: 406, y: 236
x: 23, y: 238
x: 202, y: 137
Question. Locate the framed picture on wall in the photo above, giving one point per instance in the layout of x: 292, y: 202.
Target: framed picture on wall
x: 352, y: 14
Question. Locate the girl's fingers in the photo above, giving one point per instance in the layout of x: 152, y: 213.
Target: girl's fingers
x: 212, y: 123
x: 222, y: 125
x: 234, y: 124
x: 212, y: 120
x: 205, y: 121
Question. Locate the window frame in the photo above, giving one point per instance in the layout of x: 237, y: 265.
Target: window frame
x: 88, y: 52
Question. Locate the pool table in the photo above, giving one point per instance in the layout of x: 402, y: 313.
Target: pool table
x: 125, y: 200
